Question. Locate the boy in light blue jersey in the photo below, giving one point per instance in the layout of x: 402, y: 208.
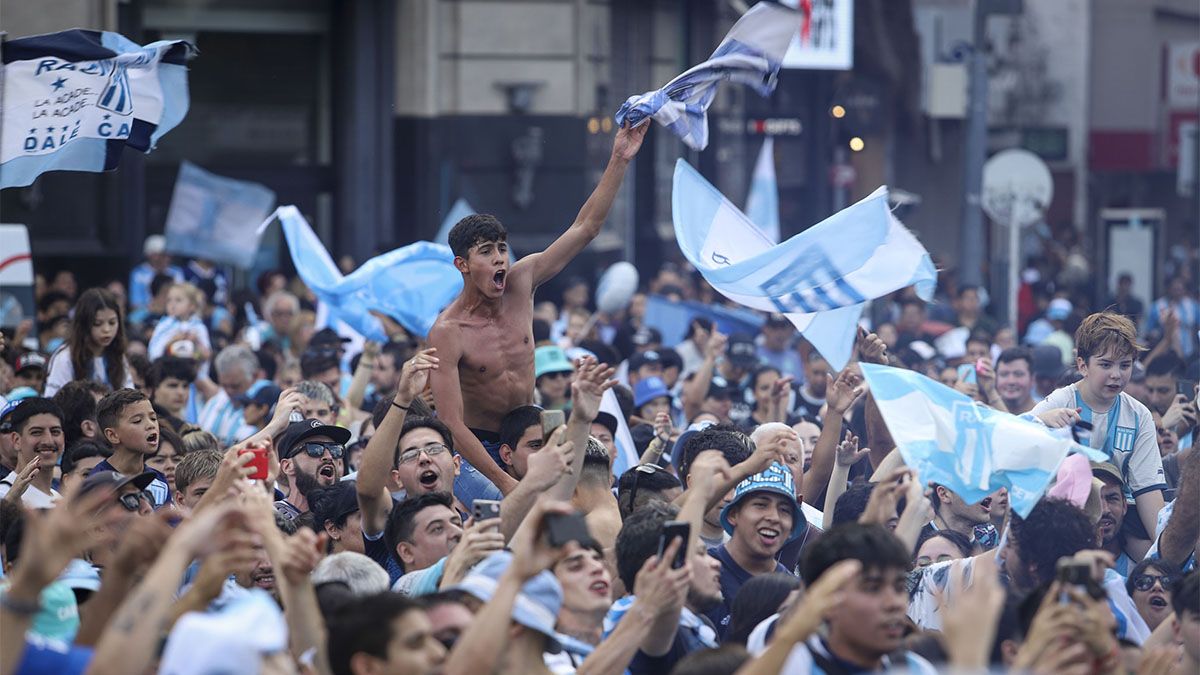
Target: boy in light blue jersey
x: 1122, y: 427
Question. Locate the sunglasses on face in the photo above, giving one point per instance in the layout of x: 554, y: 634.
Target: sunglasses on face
x: 315, y: 450
x: 1145, y: 582
x: 132, y: 501
x: 433, y: 450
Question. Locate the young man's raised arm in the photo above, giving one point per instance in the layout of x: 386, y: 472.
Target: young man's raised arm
x: 379, y: 456
x: 447, y: 394
x: 592, y: 215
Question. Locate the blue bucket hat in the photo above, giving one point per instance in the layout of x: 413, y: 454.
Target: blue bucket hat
x: 648, y: 389
x: 776, y: 478
x: 537, y: 604
x: 550, y: 359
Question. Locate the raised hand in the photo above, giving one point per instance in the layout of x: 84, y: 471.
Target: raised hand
x: 662, y: 427
x: 708, y: 470
x: 304, y: 550
x: 841, y: 393
x: 716, y: 345
x: 629, y: 140
x: 479, y: 540
x: 661, y: 588
x: 552, y: 462
x: 848, y: 453
x: 23, y: 480
x: 803, y: 618
x: 969, y: 621
x: 592, y: 379
x: 881, y: 506
x: 871, y: 348
x: 54, y: 536
x: 532, y: 553
x: 415, y: 375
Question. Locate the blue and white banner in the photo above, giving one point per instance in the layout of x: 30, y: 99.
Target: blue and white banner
x: 73, y: 100
x: 627, y: 454
x: 410, y: 284
x: 216, y: 218
x: 820, y: 279
x: 751, y: 54
x: 970, y: 448
x: 762, y: 204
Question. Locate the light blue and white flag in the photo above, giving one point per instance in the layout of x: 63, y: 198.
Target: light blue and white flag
x: 410, y: 284
x: 72, y: 101
x: 627, y: 454
x: 762, y: 204
x: 216, y: 218
x: 820, y: 278
x: 970, y: 448
x: 750, y: 54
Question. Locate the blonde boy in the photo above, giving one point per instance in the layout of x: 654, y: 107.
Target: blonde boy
x: 1105, y: 348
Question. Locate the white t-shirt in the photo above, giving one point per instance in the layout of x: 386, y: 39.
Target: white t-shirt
x: 1130, y: 440
x: 33, y: 498
x: 61, y: 371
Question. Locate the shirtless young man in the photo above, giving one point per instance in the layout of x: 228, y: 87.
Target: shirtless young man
x: 484, y: 339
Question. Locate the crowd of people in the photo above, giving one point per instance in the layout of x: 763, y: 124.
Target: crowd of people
x: 199, y: 478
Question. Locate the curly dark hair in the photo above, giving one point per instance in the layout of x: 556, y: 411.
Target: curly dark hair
x: 1054, y: 529
x: 725, y: 438
x: 473, y: 230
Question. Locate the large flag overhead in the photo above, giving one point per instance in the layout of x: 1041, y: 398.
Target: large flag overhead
x: 750, y: 54
x: 410, y: 284
x: 820, y: 279
x: 72, y: 101
x: 762, y: 204
x: 970, y: 448
x: 216, y: 218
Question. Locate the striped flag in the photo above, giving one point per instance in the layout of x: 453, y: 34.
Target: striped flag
x: 970, y: 448
x: 750, y: 54
x: 410, y: 284
x: 73, y: 100
x: 820, y: 279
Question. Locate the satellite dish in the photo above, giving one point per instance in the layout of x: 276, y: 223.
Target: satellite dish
x: 1017, y: 187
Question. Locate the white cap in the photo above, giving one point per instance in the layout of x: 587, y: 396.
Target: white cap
x: 155, y: 244
x: 231, y: 641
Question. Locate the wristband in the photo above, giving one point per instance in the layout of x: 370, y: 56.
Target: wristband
x: 19, y: 607
x: 402, y: 407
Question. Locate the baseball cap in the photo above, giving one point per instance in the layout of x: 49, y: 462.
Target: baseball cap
x: 536, y: 606
x: 550, y: 359
x: 1059, y: 309
x: 6, y: 412
x: 297, y: 432
x: 262, y: 392
x: 1103, y: 470
x: 647, y: 357
x: 775, y: 478
x: 115, y: 481
x: 606, y: 420
x: 670, y: 358
x: 742, y: 351
x: 327, y: 337
x: 154, y: 244
x: 719, y: 387
x: 647, y: 335
x: 80, y: 575
x: 648, y: 389
x: 231, y: 640
x: 30, y: 360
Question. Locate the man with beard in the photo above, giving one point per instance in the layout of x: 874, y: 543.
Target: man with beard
x: 37, y: 434
x: 310, y: 455
x: 484, y: 339
x: 1109, y: 530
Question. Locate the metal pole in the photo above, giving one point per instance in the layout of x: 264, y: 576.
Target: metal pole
x: 1014, y: 263
x: 970, y: 259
